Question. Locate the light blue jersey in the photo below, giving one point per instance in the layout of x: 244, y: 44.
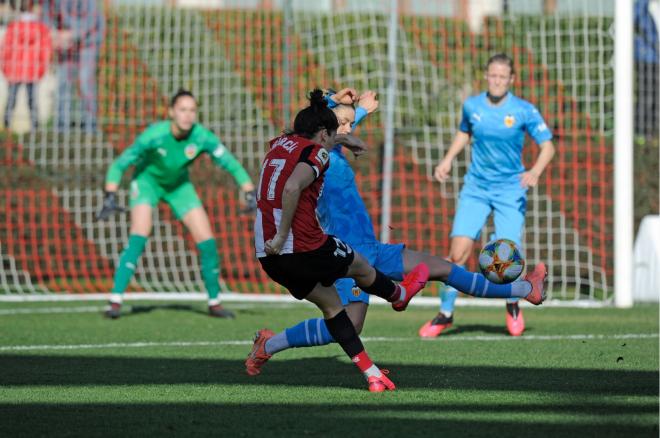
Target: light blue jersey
x: 342, y: 213
x: 498, y: 134
x: 340, y: 208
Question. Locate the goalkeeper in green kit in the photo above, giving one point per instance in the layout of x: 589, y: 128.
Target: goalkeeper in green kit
x: 161, y: 155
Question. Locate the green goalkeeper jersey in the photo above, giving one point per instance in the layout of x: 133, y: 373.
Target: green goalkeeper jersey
x: 166, y: 159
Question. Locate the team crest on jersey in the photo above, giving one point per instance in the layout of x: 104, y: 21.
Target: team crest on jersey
x: 323, y: 156
x: 190, y: 151
x: 509, y: 121
x: 356, y: 291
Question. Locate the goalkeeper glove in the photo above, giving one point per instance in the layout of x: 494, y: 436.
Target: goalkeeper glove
x: 250, y: 198
x: 110, y: 206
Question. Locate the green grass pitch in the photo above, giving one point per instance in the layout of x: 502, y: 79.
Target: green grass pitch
x: 167, y: 369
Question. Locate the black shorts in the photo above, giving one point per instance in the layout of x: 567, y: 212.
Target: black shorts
x: 301, y: 271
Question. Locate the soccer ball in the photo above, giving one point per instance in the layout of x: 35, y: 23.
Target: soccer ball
x: 501, y: 261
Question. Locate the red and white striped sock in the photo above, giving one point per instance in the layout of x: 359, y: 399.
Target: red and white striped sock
x: 365, y: 365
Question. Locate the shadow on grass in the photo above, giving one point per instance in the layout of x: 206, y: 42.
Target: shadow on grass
x: 458, y: 328
x: 357, y: 414
x: 330, y: 372
x: 315, y: 419
x: 140, y: 309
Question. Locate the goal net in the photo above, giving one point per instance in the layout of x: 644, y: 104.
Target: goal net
x: 250, y: 64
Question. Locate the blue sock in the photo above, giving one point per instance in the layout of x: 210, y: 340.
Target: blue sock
x: 309, y: 333
x: 447, y: 300
x: 477, y: 285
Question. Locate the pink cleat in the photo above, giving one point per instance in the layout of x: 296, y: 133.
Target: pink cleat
x: 437, y: 325
x: 515, y: 323
x: 258, y: 356
x: 380, y: 384
x: 537, y: 279
x: 412, y: 283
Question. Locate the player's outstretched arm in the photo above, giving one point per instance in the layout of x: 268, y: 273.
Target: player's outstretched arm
x: 110, y: 206
x: 129, y: 157
x: 352, y: 143
x: 368, y: 101
x: 531, y: 177
x: 224, y: 159
x: 301, y: 177
x: 248, y: 197
x: 366, y: 104
x: 443, y: 169
x: 346, y: 96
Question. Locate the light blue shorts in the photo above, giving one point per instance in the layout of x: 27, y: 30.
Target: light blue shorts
x: 386, y: 257
x: 475, y: 203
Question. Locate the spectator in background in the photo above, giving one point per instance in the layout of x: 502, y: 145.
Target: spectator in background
x: 26, y: 52
x: 646, y: 68
x: 79, y: 26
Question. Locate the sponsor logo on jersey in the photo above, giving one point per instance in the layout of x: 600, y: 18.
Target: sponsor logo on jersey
x: 162, y: 151
x: 509, y: 121
x: 190, y: 151
x: 323, y: 156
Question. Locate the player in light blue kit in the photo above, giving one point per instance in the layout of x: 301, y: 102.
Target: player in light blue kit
x: 342, y: 213
x: 497, y: 181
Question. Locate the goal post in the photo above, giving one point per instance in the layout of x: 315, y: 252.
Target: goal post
x: 623, y: 153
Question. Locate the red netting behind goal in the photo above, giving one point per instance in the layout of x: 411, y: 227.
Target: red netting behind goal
x: 234, y: 61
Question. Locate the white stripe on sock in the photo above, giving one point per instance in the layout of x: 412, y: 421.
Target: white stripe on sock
x: 373, y: 370
x: 318, y: 331
x: 474, y: 282
x: 307, y: 331
x: 402, y: 294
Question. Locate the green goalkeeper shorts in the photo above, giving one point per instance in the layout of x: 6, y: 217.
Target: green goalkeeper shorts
x: 181, y: 198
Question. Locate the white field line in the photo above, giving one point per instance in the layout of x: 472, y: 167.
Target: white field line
x: 119, y: 345
x: 235, y: 297
x: 126, y: 307
x: 42, y: 310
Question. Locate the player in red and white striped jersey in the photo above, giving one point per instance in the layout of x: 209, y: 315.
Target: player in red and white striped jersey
x: 295, y: 252
x: 286, y: 152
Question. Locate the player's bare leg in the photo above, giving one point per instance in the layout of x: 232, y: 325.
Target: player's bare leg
x: 357, y: 312
x: 343, y: 331
x: 376, y: 283
x: 473, y: 284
